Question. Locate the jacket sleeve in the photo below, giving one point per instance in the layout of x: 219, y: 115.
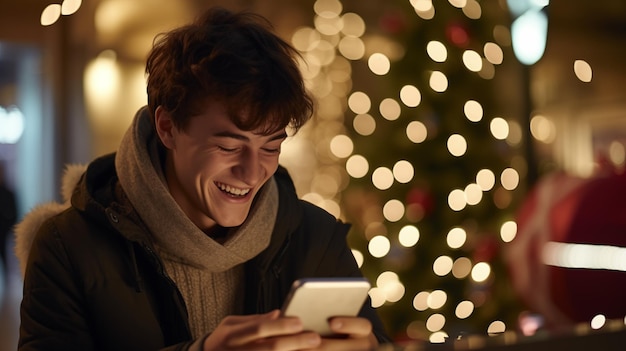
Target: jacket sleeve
x: 52, y: 312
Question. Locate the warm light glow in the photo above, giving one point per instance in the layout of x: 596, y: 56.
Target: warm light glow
x: 456, y: 238
x: 408, y: 236
x: 499, y: 128
x: 438, y: 82
x: 435, y: 322
x: 583, y: 71
x: 542, y: 129
x: 481, y: 272
x: 509, y: 179
x: 327, y: 8
x: 515, y: 133
x: 102, y: 79
x: 364, y: 124
x: 472, y: 10
x: 410, y: 96
x: 457, y: 146
x: 462, y: 267
x: 420, y: 301
x: 486, y: 179
x: 437, y: 299
x: 508, y: 231
x: 390, y: 284
x: 439, y: 337
x: 464, y: 309
x: 379, y: 64
x: 598, y: 321
x: 456, y: 200
x: 458, y: 3
x: 437, y: 51
x: 584, y: 256
x: 393, y: 210
x: 69, y: 7
x: 473, y: 194
x: 328, y: 25
x: 358, y: 257
x: 379, y: 246
x: 473, y: 110
x: 353, y: 25
x: 341, y: 146
x: 493, y: 53
x: 351, y: 48
x: 617, y: 153
x: 50, y: 14
x: 382, y: 178
x: 403, y: 171
x: 390, y: 109
x: 377, y: 295
x: 416, y: 132
x: 488, y: 71
x: 442, y: 266
x: 472, y: 60
x: 357, y: 166
x: 359, y: 102
x: 496, y: 327
x: 305, y: 39
x: 422, y: 5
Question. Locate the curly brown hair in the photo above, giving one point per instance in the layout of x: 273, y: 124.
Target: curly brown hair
x: 236, y: 59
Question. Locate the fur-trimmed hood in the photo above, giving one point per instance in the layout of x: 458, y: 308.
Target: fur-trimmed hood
x: 26, y: 230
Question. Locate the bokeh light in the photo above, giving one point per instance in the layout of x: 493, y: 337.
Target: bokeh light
x: 379, y: 64
x: 416, y: 132
x: 382, y: 178
x: 409, y: 235
x: 583, y: 71
x: 379, y: 246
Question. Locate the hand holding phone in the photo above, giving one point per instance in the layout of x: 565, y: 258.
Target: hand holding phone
x: 316, y: 300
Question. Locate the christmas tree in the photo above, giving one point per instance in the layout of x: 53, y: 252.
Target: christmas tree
x: 424, y: 153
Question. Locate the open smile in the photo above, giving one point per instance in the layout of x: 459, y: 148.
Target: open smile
x: 231, y: 190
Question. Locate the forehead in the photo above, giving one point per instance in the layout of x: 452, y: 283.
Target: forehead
x: 217, y: 113
x: 214, y: 119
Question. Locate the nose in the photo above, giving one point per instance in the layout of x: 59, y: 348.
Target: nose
x: 248, y: 168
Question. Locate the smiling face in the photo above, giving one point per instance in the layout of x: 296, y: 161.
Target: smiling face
x: 213, y: 169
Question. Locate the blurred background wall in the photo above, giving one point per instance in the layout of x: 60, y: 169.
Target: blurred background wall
x: 430, y: 134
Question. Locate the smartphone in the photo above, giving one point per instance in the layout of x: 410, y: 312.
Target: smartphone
x: 316, y: 300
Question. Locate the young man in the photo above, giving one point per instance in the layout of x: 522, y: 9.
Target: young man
x: 190, y: 236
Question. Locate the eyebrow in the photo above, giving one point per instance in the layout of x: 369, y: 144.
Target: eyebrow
x: 227, y: 134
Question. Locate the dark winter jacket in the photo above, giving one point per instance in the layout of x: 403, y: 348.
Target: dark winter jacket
x: 94, y: 282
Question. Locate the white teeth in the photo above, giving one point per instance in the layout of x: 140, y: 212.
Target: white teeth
x: 231, y: 190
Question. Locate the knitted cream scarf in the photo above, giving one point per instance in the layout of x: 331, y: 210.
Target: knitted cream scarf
x: 208, y: 274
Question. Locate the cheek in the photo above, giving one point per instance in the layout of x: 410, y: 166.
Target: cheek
x: 270, y: 165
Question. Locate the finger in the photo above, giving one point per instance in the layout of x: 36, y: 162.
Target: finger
x: 354, y: 344
x: 300, y: 341
x: 352, y: 326
x: 237, y: 320
x: 264, y: 328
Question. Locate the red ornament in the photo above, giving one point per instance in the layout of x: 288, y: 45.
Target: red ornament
x: 486, y: 249
x: 422, y: 198
x: 457, y: 34
x: 393, y: 22
x: 569, y: 212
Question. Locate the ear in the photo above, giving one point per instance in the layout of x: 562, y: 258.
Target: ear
x: 164, y: 127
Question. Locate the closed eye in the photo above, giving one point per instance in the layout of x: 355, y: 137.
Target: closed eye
x: 272, y: 150
x: 227, y: 149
